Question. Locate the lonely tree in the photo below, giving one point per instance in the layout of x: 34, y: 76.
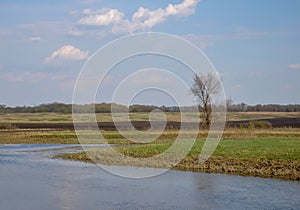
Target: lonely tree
x: 205, y: 86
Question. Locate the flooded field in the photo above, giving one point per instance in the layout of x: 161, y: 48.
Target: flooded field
x: 30, y: 179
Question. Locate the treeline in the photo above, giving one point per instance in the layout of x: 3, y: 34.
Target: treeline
x: 242, y: 107
x: 107, y: 107
x: 87, y: 108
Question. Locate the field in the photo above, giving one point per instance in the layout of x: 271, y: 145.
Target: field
x: 140, y: 120
x: 273, y: 152
x: 106, y: 117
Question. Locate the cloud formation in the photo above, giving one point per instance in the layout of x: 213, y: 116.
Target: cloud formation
x: 34, y: 39
x: 75, y: 33
x: 67, y: 52
x: 109, y: 17
x: 294, y: 66
x: 142, y: 19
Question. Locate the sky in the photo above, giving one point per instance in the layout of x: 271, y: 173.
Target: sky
x: 254, y: 45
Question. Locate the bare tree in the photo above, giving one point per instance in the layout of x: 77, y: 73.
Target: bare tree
x: 204, y: 87
x: 2, y: 108
x: 229, y: 103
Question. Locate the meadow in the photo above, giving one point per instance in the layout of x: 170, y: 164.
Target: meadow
x: 277, y: 157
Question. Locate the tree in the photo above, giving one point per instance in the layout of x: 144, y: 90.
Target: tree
x: 205, y: 86
x: 2, y: 108
x: 229, y: 103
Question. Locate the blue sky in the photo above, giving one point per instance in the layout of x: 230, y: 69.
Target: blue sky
x: 255, y: 45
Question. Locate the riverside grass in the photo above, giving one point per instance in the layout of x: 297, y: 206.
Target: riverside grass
x: 272, y: 153
x: 262, y: 157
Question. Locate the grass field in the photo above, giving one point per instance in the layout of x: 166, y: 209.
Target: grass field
x: 106, y: 117
x: 276, y: 157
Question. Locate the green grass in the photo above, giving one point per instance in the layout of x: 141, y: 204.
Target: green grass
x: 275, y: 157
x: 268, y: 148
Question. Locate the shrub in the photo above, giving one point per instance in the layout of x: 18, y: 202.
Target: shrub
x: 259, y: 125
x: 6, y: 126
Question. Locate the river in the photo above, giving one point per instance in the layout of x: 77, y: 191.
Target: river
x: 31, y: 180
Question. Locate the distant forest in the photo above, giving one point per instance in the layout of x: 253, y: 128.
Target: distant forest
x: 106, y: 108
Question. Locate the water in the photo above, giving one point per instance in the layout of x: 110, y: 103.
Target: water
x: 29, y: 179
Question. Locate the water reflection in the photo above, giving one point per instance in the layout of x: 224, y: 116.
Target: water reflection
x: 30, y: 180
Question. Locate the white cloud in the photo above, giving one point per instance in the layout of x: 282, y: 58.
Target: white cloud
x: 73, y: 12
x: 142, y: 19
x: 236, y: 87
x: 112, y: 16
x: 11, y: 77
x: 67, y: 52
x: 37, y: 76
x: 186, y: 8
x: 34, y: 38
x: 294, y: 66
x: 94, y: 12
x: 101, y: 34
x: 76, y: 33
x: 258, y: 75
x: 87, y: 11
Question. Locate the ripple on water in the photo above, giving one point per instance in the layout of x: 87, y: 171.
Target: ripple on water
x: 37, y: 182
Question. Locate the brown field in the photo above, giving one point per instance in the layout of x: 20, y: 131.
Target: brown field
x: 106, y: 117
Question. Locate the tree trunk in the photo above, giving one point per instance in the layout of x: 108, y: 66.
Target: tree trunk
x: 207, y: 113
